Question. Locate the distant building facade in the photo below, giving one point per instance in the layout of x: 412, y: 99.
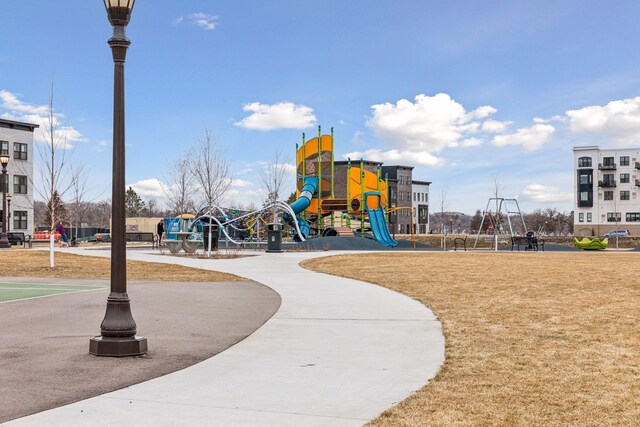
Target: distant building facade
x: 16, y: 141
x: 606, y: 190
x: 420, y: 203
x: 400, y: 191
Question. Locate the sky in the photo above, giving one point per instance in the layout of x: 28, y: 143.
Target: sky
x: 468, y: 92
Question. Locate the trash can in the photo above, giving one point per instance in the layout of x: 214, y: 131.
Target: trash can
x: 215, y: 235
x: 274, y: 237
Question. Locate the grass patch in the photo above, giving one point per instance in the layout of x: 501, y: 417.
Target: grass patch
x: 531, y: 338
x: 29, y: 263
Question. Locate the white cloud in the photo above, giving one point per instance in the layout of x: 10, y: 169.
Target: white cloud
x: 531, y: 138
x: 545, y: 194
x: 149, y: 187
x: 471, y: 142
x: 618, y: 121
x: 284, y: 115
x: 199, y: 19
x: 494, y: 126
x: 236, y: 182
x: 427, y: 125
x: 422, y: 158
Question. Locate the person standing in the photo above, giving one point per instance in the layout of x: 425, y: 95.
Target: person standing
x: 160, y: 231
x: 61, y: 231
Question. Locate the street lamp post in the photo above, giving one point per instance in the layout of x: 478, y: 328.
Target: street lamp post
x: 9, y: 197
x: 4, y: 239
x: 118, y: 329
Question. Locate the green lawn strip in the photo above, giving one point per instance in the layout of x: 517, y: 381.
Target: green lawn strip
x: 18, y: 291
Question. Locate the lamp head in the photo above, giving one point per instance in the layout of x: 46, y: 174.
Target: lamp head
x: 4, y: 160
x: 119, y: 11
x: 9, y: 197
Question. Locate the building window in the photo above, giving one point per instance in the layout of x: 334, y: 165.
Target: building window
x: 584, y: 196
x: 19, y: 220
x: 624, y: 178
x: 19, y: 151
x: 581, y: 217
x: 608, y: 161
x: 609, y: 179
x: 414, y: 197
x: 589, y: 217
x: 614, y: 216
x: 624, y: 160
x: 4, y: 148
x: 633, y: 216
x: 586, y: 178
x: 624, y: 195
x: 20, y: 184
x: 608, y: 195
x: 584, y: 162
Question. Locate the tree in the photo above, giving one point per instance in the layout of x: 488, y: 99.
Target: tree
x: 53, y: 171
x: 272, y: 175
x: 180, y: 189
x: 55, y: 205
x: 211, y: 170
x: 133, y: 203
x: 78, y: 191
x: 476, y: 220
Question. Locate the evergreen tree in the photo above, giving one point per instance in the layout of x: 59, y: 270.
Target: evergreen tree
x: 59, y: 208
x: 475, y: 222
x: 133, y: 203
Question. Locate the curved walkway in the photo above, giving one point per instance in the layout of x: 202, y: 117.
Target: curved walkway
x: 337, y: 353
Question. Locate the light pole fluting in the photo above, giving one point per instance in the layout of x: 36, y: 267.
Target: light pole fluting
x: 4, y: 238
x: 118, y: 329
x: 9, y: 198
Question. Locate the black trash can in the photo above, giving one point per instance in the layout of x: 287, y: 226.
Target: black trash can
x: 215, y: 235
x: 274, y: 237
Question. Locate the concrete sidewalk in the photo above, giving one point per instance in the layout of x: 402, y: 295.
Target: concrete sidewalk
x: 337, y: 353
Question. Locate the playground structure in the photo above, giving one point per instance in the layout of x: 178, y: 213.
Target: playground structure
x: 326, y: 197
x: 505, y: 209
x: 594, y: 244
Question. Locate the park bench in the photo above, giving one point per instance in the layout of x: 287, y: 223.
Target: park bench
x: 19, y: 238
x: 462, y: 241
x: 530, y: 242
x: 137, y: 237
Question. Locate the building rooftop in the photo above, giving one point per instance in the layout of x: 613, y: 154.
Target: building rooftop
x: 421, y: 182
x: 10, y: 124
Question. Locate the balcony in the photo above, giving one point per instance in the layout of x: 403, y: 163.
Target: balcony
x: 607, y: 167
x: 637, y: 165
x: 607, y: 184
x: 637, y: 182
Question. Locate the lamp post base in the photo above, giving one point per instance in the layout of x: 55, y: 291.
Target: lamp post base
x: 4, y: 241
x: 118, y: 346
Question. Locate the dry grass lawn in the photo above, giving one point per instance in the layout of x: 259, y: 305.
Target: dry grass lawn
x: 36, y: 264
x: 531, y: 338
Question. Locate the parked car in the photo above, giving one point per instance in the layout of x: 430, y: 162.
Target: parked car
x: 618, y: 233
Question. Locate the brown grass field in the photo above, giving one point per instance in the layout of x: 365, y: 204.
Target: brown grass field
x: 36, y: 264
x: 532, y: 339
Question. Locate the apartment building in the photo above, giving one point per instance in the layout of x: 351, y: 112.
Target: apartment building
x: 16, y: 141
x: 606, y: 189
x: 400, y: 193
x: 420, y: 203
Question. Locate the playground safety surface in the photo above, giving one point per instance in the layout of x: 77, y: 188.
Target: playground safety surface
x: 44, y: 359
x: 357, y: 244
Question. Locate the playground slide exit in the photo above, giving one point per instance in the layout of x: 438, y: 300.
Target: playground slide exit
x: 309, y: 188
x: 378, y: 222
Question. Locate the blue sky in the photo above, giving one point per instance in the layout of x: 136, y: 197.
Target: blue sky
x: 463, y: 90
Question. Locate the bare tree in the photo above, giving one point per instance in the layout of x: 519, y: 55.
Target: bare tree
x: 211, y: 170
x: 78, y: 205
x: 272, y: 176
x: 443, y: 210
x: 53, y: 172
x: 180, y: 191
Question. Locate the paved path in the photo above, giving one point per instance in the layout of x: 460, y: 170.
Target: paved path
x: 337, y: 353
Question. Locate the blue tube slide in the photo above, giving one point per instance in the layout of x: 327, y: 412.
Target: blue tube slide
x: 378, y: 222
x: 309, y: 188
